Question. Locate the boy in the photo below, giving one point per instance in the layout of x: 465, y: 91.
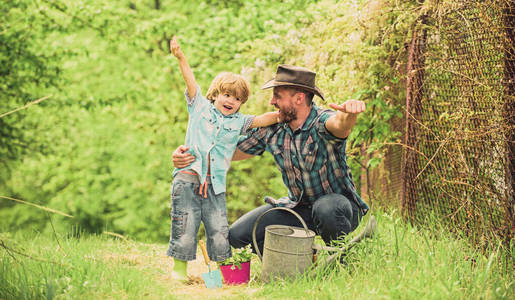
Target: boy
x: 198, y: 191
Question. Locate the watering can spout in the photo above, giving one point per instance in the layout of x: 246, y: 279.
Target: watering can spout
x: 367, y: 232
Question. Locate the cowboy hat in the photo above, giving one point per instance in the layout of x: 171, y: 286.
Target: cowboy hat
x: 300, y: 77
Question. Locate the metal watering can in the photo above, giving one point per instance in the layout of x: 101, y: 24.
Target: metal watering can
x: 288, y: 250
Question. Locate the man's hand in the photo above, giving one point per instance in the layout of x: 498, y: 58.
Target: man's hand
x: 181, y: 158
x: 340, y: 124
x: 350, y: 106
x: 175, y: 48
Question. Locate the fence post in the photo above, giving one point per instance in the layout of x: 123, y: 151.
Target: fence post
x: 414, y: 94
x: 509, y: 115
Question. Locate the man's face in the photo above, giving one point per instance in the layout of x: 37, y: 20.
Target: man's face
x: 282, y: 99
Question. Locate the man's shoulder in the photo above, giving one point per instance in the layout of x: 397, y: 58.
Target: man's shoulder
x: 323, y: 112
x: 317, y: 117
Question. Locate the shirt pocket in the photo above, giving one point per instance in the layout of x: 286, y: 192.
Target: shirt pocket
x: 207, y: 123
x: 278, y: 153
x: 230, y: 133
x: 275, y: 150
x: 309, y: 153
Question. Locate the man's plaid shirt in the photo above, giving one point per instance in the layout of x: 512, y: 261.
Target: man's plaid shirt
x: 312, y: 161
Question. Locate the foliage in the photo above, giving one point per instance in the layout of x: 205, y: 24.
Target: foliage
x: 238, y: 257
x: 27, y: 68
x: 100, y: 147
x: 357, y: 49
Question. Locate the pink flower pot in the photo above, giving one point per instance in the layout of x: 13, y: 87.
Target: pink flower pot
x: 236, y: 275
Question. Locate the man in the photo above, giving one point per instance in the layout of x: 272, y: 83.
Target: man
x: 308, y: 146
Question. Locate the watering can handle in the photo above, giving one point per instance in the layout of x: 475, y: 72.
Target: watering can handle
x: 259, y: 219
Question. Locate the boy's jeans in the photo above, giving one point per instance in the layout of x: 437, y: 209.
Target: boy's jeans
x: 331, y: 216
x: 188, y: 209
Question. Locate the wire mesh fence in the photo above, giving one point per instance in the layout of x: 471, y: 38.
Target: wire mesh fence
x: 458, y: 152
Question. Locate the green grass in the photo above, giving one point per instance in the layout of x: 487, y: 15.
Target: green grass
x: 93, y: 267
x: 399, y: 262
x: 403, y: 262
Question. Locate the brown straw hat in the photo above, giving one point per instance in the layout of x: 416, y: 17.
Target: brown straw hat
x: 287, y: 75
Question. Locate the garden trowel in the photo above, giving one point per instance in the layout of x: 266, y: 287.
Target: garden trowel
x: 212, y: 279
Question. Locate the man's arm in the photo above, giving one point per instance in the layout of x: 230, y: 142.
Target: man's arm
x: 265, y: 119
x: 340, y: 124
x: 181, y: 158
x: 187, y: 73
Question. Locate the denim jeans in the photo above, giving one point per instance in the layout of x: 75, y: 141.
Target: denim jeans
x: 189, y: 207
x: 331, y: 216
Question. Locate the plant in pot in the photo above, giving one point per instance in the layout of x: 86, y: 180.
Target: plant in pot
x: 236, y: 269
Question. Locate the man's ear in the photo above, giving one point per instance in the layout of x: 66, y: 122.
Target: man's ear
x: 299, y: 98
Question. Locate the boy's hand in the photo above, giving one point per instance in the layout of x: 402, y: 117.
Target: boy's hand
x: 187, y: 73
x: 266, y: 119
x: 175, y: 48
x: 277, y: 116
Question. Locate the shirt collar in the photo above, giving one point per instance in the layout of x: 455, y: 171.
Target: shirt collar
x: 311, y: 118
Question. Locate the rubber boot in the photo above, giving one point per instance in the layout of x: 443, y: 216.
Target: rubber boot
x: 180, y: 269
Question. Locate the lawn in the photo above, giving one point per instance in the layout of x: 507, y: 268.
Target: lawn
x: 399, y: 262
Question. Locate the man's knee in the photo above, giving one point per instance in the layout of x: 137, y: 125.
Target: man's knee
x: 329, y: 205
x: 235, y: 238
x: 240, y: 232
x: 334, y: 215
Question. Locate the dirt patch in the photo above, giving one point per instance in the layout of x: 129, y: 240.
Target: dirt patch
x: 196, y: 288
x: 152, y: 260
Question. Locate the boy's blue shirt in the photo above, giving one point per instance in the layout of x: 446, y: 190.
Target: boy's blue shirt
x: 211, y: 133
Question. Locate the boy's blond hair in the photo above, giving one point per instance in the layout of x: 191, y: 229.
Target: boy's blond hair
x: 231, y: 83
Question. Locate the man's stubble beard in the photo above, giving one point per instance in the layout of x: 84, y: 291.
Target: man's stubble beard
x: 286, y: 115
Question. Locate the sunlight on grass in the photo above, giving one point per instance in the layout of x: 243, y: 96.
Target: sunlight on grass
x: 91, y: 267
x: 405, y: 262
x: 400, y: 261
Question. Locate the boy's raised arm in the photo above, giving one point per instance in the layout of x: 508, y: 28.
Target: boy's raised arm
x: 265, y: 119
x: 187, y: 73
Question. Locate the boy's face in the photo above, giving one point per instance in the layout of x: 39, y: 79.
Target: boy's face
x: 227, y: 104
